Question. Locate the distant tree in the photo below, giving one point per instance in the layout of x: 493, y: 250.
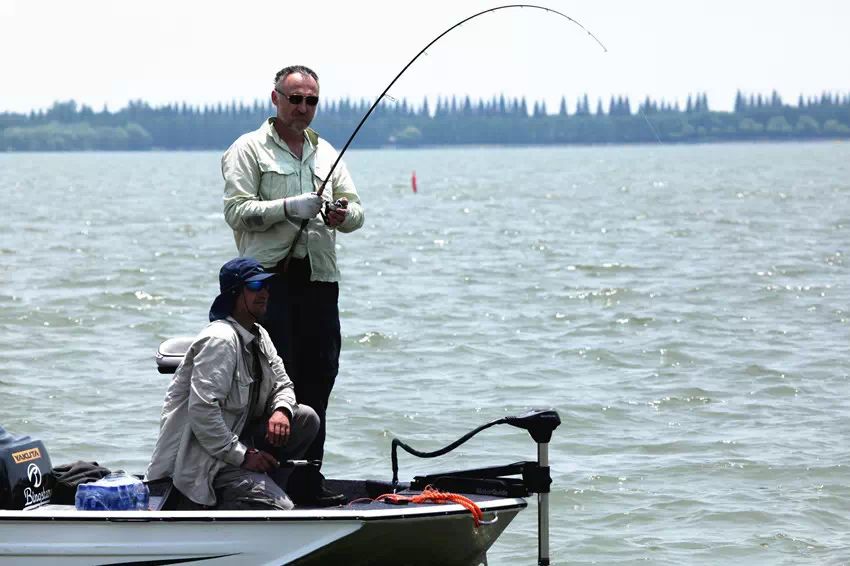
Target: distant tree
x: 740, y: 102
x: 779, y: 125
x: 62, y: 111
x: 540, y: 109
x: 583, y: 107
x: 807, y: 125
x: 834, y: 127
x: 562, y: 108
x: 748, y: 126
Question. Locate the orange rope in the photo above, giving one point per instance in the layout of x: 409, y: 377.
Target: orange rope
x: 431, y: 495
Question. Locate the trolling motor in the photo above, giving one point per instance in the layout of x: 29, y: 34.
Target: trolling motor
x: 535, y: 476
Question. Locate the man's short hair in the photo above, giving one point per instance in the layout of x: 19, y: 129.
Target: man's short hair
x: 301, y: 69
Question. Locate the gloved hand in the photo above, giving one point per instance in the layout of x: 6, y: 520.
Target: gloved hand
x: 304, y: 206
x: 259, y: 461
x: 335, y: 212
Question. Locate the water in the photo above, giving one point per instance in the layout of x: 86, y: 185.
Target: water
x: 685, y: 309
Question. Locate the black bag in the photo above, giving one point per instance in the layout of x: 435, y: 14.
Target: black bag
x: 69, y: 476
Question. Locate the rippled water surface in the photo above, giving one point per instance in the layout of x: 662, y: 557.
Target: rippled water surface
x: 684, y: 308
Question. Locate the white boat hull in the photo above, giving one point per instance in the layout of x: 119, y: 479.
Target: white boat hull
x: 360, y: 534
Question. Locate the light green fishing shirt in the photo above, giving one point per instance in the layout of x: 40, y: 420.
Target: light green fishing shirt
x: 259, y: 172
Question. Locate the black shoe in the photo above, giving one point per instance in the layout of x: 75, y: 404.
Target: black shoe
x: 321, y: 498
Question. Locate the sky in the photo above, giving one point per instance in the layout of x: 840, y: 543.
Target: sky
x: 107, y: 52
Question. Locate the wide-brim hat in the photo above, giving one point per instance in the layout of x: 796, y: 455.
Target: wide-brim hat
x: 232, y: 276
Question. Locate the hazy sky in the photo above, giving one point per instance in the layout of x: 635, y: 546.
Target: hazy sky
x: 110, y: 51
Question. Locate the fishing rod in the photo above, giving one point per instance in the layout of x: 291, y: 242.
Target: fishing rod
x: 398, y: 76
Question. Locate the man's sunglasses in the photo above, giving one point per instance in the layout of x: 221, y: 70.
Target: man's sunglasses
x: 256, y: 285
x: 297, y: 99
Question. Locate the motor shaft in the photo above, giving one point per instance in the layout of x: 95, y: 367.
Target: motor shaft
x: 543, y: 510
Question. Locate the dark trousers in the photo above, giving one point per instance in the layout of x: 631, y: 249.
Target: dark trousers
x: 303, y: 321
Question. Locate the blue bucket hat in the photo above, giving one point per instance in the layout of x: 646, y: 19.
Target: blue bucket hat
x: 232, y: 276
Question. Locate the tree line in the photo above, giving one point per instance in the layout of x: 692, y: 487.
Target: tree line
x: 452, y: 121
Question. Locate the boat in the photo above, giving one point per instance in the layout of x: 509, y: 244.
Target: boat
x: 449, y: 518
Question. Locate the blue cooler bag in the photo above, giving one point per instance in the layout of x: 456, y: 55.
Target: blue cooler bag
x: 118, y: 491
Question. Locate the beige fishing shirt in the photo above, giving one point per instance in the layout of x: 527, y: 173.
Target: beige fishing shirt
x: 207, y: 403
x: 259, y: 172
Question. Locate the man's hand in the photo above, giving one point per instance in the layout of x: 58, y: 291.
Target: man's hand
x: 336, y: 214
x: 303, y: 207
x: 277, y: 431
x: 259, y: 461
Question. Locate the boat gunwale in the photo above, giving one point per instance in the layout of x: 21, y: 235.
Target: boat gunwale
x: 385, y: 513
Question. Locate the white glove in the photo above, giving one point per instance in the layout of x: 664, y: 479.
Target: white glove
x: 304, y: 206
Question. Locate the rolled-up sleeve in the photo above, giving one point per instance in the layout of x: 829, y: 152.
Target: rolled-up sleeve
x: 243, y: 208
x: 212, y: 378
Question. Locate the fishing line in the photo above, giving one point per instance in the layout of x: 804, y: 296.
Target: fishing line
x: 398, y: 76
x: 651, y: 127
x: 433, y: 41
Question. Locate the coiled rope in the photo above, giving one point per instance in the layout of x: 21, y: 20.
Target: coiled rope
x: 433, y: 495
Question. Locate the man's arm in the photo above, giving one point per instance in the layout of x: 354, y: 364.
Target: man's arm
x: 282, y: 395
x: 243, y: 208
x: 211, y: 381
x: 281, y: 402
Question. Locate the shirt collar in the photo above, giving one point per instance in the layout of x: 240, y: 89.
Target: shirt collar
x: 247, y: 335
x: 309, y: 145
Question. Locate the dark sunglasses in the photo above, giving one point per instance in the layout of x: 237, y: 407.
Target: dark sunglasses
x: 297, y: 99
x: 256, y: 285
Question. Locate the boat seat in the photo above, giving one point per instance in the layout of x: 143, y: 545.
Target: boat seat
x: 171, y: 352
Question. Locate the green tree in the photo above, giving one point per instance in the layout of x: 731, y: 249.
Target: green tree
x: 779, y: 125
x: 807, y: 125
x: 834, y: 127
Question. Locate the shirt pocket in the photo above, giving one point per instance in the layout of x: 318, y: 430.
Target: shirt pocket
x: 278, y: 180
x: 240, y: 392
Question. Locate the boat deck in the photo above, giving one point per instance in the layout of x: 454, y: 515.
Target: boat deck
x: 360, y: 497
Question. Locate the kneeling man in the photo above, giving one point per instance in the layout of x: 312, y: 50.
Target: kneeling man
x: 230, y: 413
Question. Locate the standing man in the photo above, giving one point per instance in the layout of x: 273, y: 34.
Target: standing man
x: 271, y: 177
x: 230, y: 413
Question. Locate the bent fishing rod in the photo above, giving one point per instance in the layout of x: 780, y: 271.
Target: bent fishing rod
x: 398, y: 76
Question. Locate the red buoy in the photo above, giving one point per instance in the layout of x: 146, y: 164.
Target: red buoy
x: 413, y: 181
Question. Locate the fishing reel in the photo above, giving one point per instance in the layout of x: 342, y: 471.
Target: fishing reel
x: 328, y: 207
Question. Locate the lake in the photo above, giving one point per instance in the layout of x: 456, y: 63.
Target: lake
x: 686, y: 309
